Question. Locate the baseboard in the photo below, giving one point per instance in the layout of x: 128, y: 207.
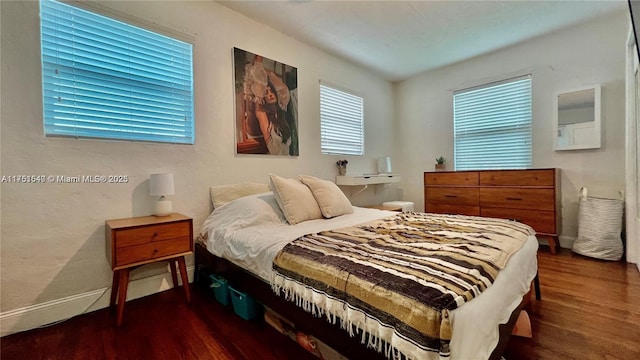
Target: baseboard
x: 566, y: 241
x: 51, y: 312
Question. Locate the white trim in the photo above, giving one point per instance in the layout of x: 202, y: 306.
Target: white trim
x: 631, y: 150
x: 566, y: 241
x: 42, y: 314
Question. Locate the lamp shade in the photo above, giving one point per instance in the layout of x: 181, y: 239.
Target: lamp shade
x: 161, y: 184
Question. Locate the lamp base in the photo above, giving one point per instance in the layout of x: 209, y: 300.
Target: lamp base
x: 162, y: 208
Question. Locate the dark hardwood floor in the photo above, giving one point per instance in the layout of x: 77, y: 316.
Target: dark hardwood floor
x: 590, y: 309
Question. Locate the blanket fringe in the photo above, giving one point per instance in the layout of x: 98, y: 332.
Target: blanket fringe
x: 353, y: 321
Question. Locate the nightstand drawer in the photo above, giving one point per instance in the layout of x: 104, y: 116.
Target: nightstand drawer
x: 151, y: 251
x: 150, y: 234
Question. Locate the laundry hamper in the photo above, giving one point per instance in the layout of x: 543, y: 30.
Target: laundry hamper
x: 599, y: 227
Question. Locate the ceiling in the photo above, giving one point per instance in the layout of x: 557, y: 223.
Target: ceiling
x: 399, y: 39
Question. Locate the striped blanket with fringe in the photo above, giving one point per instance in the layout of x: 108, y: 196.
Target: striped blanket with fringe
x: 393, y: 281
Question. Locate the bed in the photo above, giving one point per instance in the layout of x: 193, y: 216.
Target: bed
x: 250, y: 238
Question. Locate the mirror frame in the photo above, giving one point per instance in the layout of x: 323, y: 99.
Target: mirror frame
x: 597, y: 119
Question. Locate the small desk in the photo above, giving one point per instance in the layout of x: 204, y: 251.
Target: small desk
x: 132, y: 242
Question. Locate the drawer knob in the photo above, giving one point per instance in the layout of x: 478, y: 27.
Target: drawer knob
x: 451, y: 196
x: 514, y: 198
x: 155, y: 234
x: 155, y: 251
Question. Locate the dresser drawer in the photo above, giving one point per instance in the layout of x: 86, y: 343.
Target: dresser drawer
x: 544, y: 177
x: 518, y: 198
x: 148, y: 234
x: 150, y: 251
x: 452, y: 209
x: 452, y: 196
x: 540, y: 221
x: 451, y: 178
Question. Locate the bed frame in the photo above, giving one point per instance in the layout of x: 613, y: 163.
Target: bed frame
x: 330, y: 334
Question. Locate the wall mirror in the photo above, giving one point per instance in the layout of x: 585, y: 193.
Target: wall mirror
x: 577, y: 119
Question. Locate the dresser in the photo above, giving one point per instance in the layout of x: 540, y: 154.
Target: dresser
x: 132, y: 242
x: 530, y: 196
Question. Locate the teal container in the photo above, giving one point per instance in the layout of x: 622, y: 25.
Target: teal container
x: 244, y: 305
x: 220, y: 288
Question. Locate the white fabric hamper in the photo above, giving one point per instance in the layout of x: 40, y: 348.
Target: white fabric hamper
x: 599, y: 227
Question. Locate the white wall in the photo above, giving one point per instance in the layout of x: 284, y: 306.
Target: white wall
x: 53, y: 242
x: 592, y: 53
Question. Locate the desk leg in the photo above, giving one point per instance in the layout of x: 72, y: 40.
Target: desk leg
x: 122, y: 293
x: 185, y: 278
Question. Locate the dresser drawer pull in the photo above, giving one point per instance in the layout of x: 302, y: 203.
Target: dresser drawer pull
x: 154, y: 234
x: 514, y: 198
x: 155, y: 251
x: 451, y: 196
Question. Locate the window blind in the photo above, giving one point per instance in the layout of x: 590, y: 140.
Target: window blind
x: 492, y: 126
x: 103, y: 78
x: 341, y: 122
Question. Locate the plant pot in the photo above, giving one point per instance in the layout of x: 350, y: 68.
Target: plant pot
x: 342, y: 170
x: 440, y: 167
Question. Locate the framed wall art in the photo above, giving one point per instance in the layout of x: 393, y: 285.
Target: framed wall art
x: 266, y: 100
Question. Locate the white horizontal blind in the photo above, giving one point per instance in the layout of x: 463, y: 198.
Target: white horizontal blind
x: 492, y: 126
x: 341, y: 122
x: 103, y: 78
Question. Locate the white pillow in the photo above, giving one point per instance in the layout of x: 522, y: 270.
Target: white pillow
x: 330, y: 198
x: 222, y: 194
x: 244, y: 212
x: 295, y: 199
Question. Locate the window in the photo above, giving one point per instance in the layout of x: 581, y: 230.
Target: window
x: 341, y: 122
x: 492, y: 125
x: 102, y: 78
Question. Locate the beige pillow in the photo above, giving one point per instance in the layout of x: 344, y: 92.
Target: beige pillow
x: 222, y: 194
x: 295, y: 200
x: 330, y: 198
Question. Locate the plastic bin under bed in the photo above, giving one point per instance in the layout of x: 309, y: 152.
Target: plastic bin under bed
x: 244, y: 305
x: 220, y: 289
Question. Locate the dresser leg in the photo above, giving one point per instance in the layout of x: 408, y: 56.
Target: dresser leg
x: 185, y: 278
x: 554, y: 244
x: 122, y: 293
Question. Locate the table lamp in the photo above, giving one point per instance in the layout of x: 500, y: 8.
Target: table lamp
x: 161, y: 185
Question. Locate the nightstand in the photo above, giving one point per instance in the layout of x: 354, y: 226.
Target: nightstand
x: 142, y: 240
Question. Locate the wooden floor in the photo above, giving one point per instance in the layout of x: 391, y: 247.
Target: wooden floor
x: 590, y: 309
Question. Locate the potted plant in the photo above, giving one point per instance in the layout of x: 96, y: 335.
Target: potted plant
x: 342, y: 167
x: 440, y: 163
